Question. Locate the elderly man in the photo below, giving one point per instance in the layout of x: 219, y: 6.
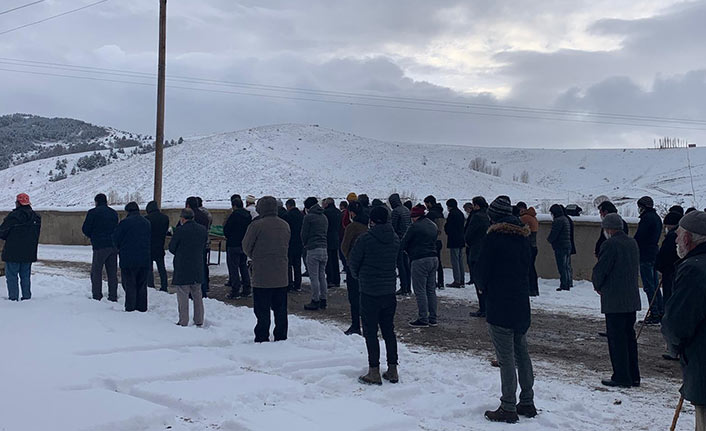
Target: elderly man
x: 615, y: 278
x: 266, y: 242
x: 187, y: 247
x: 684, y: 321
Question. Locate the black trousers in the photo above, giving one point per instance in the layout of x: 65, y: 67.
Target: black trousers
x: 238, y: 273
x: 533, y: 282
x: 162, y: 270
x: 667, y: 285
x: 440, y: 269
x: 481, y: 296
x: 622, y: 346
x: 354, y: 300
x: 294, y: 272
x: 333, y: 271
x: 470, y: 264
x: 204, y: 283
x: 135, y: 286
x: 379, y: 312
x: 264, y: 300
x: 404, y: 271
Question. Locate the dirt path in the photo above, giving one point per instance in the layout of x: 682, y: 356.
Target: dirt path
x: 552, y: 337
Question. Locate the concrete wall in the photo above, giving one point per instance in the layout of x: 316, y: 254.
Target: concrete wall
x: 64, y: 227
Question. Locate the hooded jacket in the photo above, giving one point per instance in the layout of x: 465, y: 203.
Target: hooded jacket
x: 99, y: 225
x: 20, y: 230
x: 266, y: 242
x: 315, y: 228
x: 560, y: 235
x: 476, y: 231
x: 529, y: 218
x: 502, y: 274
x: 400, y: 218
x: 159, y: 225
x: 132, y: 238
x: 373, y: 260
x: 420, y: 240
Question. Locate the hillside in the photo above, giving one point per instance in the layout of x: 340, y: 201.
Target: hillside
x: 301, y: 160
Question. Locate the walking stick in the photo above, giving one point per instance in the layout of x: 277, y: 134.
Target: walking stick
x: 676, y: 413
x: 649, y: 311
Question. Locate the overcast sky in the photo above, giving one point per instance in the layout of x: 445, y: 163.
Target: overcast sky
x: 644, y: 58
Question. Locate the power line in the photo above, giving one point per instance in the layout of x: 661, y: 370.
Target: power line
x: 52, y: 17
x: 361, y: 104
x: 21, y: 7
x: 363, y: 96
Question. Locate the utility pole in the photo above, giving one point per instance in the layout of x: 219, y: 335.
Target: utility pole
x: 161, y: 71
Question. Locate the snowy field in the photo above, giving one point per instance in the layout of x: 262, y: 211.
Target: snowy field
x: 72, y: 363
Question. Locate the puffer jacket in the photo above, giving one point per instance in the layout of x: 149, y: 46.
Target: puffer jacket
x: 560, y: 235
x: 400, y: 219
x: 373, y: 260
x: 20, y: 230
x: 315, y: 228
x: 420, y: 240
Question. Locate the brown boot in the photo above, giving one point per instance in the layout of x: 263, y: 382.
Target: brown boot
x: 372, y: 378
x: 391, y: 374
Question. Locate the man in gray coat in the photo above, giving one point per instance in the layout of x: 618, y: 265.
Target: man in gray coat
x: 315, y: 240
x: 615, y: 278
x: 684, y: 321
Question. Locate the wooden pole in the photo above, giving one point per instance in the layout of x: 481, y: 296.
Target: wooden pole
x: 161, y: 71
x: 676, y: 414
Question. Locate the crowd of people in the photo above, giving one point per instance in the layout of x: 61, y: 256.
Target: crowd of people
x: 267, y: 241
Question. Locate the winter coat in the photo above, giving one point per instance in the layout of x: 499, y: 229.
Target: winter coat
x: 684, y: 323
x: 602, y: 238
x: 529, y: 218
x: 315, y: 228
x: 267, y: 243
x: 502, y: 274
x: 615, y: 276
x: 571, y: 234
x: 373, y: 260
x: 201, y: 217
x: 159, y: 223
x: 187, y: 247
x: 236, y: 226
x: 560, y: 235
x: 294, y: 219
x: 99, y: 225
x: 333, y: 215
x: 20, y: 230
x: 132, y: 238
x: 365, y: 205
x: 667, y: 256
x: 454, y: 229
x: 345, y: 221
x: 436, y: 214
x: 420, y: 240
x: 400, y: 218
x: 476, y: 231
x: 649, y: 230
x: 353, y: 231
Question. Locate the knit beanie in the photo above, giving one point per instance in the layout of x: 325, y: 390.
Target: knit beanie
x: 646, y: 202
x: 379, y: 215
x: 417, y: 211
x: 612, y: 221
x: 672, y: 219
x: 500, y: 208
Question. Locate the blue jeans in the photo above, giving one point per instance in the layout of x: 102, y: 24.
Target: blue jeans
x: 650, y: 284
x: 563, y: 265
x: 12, y: 271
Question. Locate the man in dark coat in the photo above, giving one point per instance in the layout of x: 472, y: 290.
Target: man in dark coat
x: 372, y: 262
x: 475, y: 233
x: 435, y: 213
x: 667, y: 258
x: 20, y: 231
x: 354, y: 230
x: 560, y: 239
x: 201, y: 217
x: 573, y: 246
x: 400, y: 221
x: 294, y: 219
x: 528, y: 216
x: 419, y: 243
x: 159, y: 223
x: 364, y: 204
x: 615, y: 278
x: 502, y: 275
x: 649, y: 231
x: 315, y: 240
x: 234, y: 230
x: 187, y: 247
x: 605, y: 208
x: 455, y: 242
x: 684, y: 321
x: 99, y: 226
x: 333, y: 270
x: 132, y: 239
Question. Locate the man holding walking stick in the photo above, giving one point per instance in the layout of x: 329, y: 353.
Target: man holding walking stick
x: 684, y: 322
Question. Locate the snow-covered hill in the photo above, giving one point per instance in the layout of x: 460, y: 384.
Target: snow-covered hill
x: 302, y: 160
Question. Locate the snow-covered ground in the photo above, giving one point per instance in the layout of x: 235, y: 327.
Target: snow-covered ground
x: 71, y: 363
x: 300, y: 160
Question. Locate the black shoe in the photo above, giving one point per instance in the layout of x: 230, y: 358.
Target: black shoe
x: 559, y: 289
x: 613, y: 384
x: 322, y: 304
x: 534, y: 293
x: 603, y: 334
x: 652, y: 320
x: 501, y: 415
x: 402, y: 292
x: 419, y: 323
x: 528, y: 411
x: 245, y: 294
x: 352, y: 330
x: 204, y: 295
x: 477, y: 314
x: 433, y: 323
x: 669, y: 357
x: 313, y: 305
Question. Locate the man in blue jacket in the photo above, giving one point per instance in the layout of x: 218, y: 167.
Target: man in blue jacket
x: 132, y: 238
x: 99, y: 226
